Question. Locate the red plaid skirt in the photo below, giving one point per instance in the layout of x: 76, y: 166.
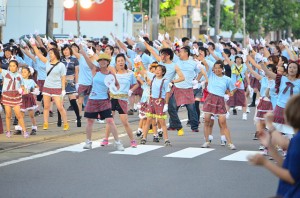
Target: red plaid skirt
x: 238, y: 99
x: 183, y: 96
x: 11, y: 98
x: 279, y: 115
x: 143, y: 110
x: 254, y: 83
x: 40, y: 83
x: 94, y: 106
x: 264, y: 106
x: 214, y: 104
x: 123, y: 105
x: 205, y: 94
x: 52, y: 91
x: 138, y: 91
x: 155, y: 108
x: 28, y: 103
x: 84, y: 90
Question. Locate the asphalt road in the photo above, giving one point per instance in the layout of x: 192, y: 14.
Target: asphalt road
x: 53, y: 164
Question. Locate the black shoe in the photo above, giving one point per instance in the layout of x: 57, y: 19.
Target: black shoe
x: 160, y: 134
x: 143, y: 141
x: 59, y: 123
x: 33, y: 132
x: 79, y: 122
x: 50, y: 114
x: 188, y: 124
x: 18, y: 132
x: 234, y: 112
x: 251, y: 105
x: 130, y: 112
x: 138, y: 134
x: 134, y: 110
x: 15, y: 121
x: 155, y: 139
x: 70, y: 108
x: 37, y: 113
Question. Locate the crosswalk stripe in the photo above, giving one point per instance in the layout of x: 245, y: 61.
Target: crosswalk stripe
x: 138, y: 150
x: 240, y: 156
x: 189, y: 152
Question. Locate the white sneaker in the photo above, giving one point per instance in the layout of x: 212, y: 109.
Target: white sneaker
x: 119, y: 146
x: 261, y: 148
x: 231, y: 146
x: 239, y: 108
x: 100, y: 121
x: 244, y: 116
x: 227, y: 115
x: 87, y: 145
x: 248, y: 110
x: 206, y: 145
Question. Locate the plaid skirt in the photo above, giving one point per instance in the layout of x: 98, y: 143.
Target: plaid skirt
x: 143, y: 110
x: 204, y: 95
x: 40, y: 83
x: 214, y: 105
x: 28, y: 102
x: 238, y: 99
x: 138, y: 91
x: 254, y: 83
x: 155, y: 108
x: 123, y: 104
x: 279, y: 115
x: 183, y: 96
x: 51, y: 91
x: 11, y: 98
x: 84, y: 90
x: 264, y: 106
x: 94, y: 106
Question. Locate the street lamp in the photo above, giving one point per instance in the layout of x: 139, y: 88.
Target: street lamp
x: 84, y: 4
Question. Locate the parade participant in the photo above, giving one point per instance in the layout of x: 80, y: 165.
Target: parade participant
x: 13, y: 87
x: 55, y: 82
x: 119, y: 98
x: 214, y: 104
x: 98, y: 103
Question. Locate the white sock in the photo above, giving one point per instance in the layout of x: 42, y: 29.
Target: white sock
x: 210, y: 137
x: 223, y: 138
x: 139, y: 129
x: 135, y: 106
x: 18, y: 128
x: 34, y: 127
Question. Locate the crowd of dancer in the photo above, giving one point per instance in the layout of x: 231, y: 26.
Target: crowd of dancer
x: 152, y: 78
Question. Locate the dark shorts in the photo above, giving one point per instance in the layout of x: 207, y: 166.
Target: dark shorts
x: 99, y: 115
x: 119, y: 105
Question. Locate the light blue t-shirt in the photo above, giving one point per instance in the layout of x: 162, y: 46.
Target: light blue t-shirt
x: 99, y: 89
x: 146, y: 60
x: 176, y: 58
x: 265, y: 83
x: 40, y: 67
x: 125, y: 81
x: 6, y: 80
x: 170, y: 73
x: 29, y: 85
x: 113, y: 61
x: 284, y: 97
x: 156, y: 88
x: 189, y: 69
x: 286, y: 54
x: 28, y: 61
x: 218, y: 85
x: 85, y: 73
x: 53, y: 80
x: 146, y: 92
x: 235, y: 78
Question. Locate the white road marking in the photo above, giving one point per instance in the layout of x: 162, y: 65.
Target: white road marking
x: 189, y: 152
x: 240, y: 156
x: 138, y: 150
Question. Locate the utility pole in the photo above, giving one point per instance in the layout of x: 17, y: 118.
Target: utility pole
x: 49, y: 21
x: 208, y: 15
x: 244, y: 25
x: 217, y: 14
x: 155, y: 18
x: 78, y: 18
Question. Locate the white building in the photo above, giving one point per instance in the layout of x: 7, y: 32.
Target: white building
x: 26, y: 16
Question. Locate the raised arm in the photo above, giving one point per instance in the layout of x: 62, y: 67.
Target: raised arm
x: 227, y: 59
x: 37, y: 51
x: 26, y: 51
x: 152, y: 51
x: 254, y: 73
x: 87, y: 59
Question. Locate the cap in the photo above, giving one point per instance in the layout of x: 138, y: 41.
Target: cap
x: 104, y: 56
x: 140, y: 47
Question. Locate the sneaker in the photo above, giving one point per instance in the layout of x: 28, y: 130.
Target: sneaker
x: 195, y: 130
x: 180, y: 132
x: 45, y: 126
x: 87, y: 145
x: 265, y: 152
x: 26, y: 134
x: 139, y: 133
x: 8, y: 134
x: 66, y: 127
x: 223, y: 140
x: 155, y: 139
x: 248, y: 110
x: 70, y: 108
x: 168, y: 143
x: 130, y: 112
x: 18, y: 132
x: 104, y: 142
x: 160, y: 134
x: 59, y: 123
x: 210, y: 138
x: 33, y: 132
x: 171, y: 129
x: 239, y: 108
x: 50, y: 114
x: 251, y: 105
x: 119, y: 146
x: 234, y: 112
x: 261, y: 148
x: 206, y: 145
x: 134, y: 110
x: 133, y: 144
x: 244, y: 116
x: 227, y: 115
x: 188, y: 124
x: 15, y: 121
x: 37, y: 113
x: 100, y: 121
x: 143, y: 141
x: 78, y: 122
x: 231, y: 146
x: 255, y: 136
